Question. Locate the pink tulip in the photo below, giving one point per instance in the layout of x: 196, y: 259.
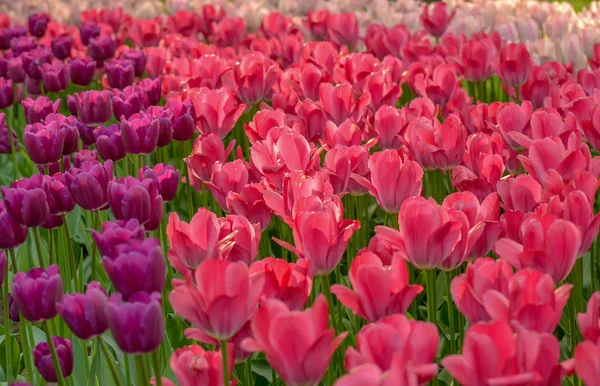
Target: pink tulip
x: 297, y: 344
x: 522, y: 193
x: 208, y: 149
x: 348, y: 133
x: 193, y: 366
x: 514, y: 64
x: 589, y: 322
x: 262, y: 122
x: 343, y: 29
x: 244, y: 236
x: 255, y: 75
x: 378, y: 291
x: 339, y: 102
x: 389, y: 125
x: 435, y: 19
x: 587, y: 356
x: 513, y: 118
x: 226, y: 178
x: 216, y: 110
x: 224, y: 298
x: 250, y: 204
x: 442, y: 85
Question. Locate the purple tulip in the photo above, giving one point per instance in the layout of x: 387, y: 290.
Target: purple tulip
x: 83, y: 156
x: 4, y: 139
x: 61, y: 46
x: 166, y: 176
x: 137, y: 58
x: 152, y: 91
x: 54, y: 76
x: 88, y: 184
x: 21, y: 44
x: 85, y: 314
x: 37, y: 109
x: 55, y: 167
x: 131, y: 198
x: 15, y: 70
x: 60, y: 199
x: 93, y: 107
x: 140, y: 133
x: 7, y: 96
x: 138, y: 325
x: 119, y: 73
x: 184, y: 119
x: 109, y: 143
x: 128, y: 101
x: 53, y: 222
x: 117, y: 233
x: 38, y: 24
x: 37, y: 292
x: 33, y: 86
x: 88, y: 31
x: 9, y: 33
x: 71, y: 127
x: 33, y: 60
x: 13, y: 310
x: 165, y: 121
x: 27, y: 202
x: 43, y: 358
x: 101, y: 49
x: 82, y: 70
x: 12, y: 234
x: 44, y: 142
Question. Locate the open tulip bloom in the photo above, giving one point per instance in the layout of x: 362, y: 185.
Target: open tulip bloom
x: 308, y: 193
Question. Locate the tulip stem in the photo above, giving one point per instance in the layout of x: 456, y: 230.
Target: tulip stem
x: 57, y: 368
x: 431, y: 303
x: 143, y: 377
x: 450, y: 312
x: 7, y: 343
x: 111, y: 362
x: 189, y: 185
x: 94, y: 246
x: 225, y: 359
x: 26, y: 351
x: 127, y: 370
x: 71, y: 253
x: 38, y: 246
x: 156, y: 364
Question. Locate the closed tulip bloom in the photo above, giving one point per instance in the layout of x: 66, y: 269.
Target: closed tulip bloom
x: 307, y: 331
x: 33, y: 61
x: 43, y: 358
x: 393, y: 179
x: 145, y: 32
x: 166, y: 176
x: 137, y: 325
x: 59, y: 196
x: 228, y: 177
x: 61, y: 46
x: 184, y: 119
x: 246, y: 238
x: 441, y: 87
x: 117, y: 233
x: 6, y: 93
x: 101, y: 48
x: 378, y: 291
x: 10, y: 33
x: 88, y: 184
x: 12, y: 233
x: 85, y: 314
x: 128, y: 101
x: 130, y: 198
x: 37, y: 292
x: 185, y: 364
x: 88, y: 31
x: 389, y: 124
x: 255, y: 76
x: 109, y: 143
x: 120, y: 73
x: 137, y: 58
x: 152, y: 91
x: 32, y: 86
x: 586, y: 358
x: 15, y: 70
x: 504, y: 362
x: 225, y: 297
x: 165, y: 130
x: 381, y: 342
x: 207, y: 150
x: 37, y: 109
x: 250, y: 204
x: 514, y: 119
x: 27, y: 202
x: 44, y: 142
x: 477, y: 58
x: 340, y: 103
x: 93, y: 107
x: 589, y: 322
x: 514, y: 64
x: 139, y: 266
x: 13, y: 310
x: 82, y: 70
x: 435, y: 18
x: 140, y: 133
x: 216, y: 111
x: 343, y: 29
x: 522, y: 193
x: 531, y: 300
x: 84, y: 155
x: 37, y: 24
x: 549, y: 245
x: 21, y: 44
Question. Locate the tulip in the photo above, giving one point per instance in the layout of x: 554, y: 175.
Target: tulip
x: 246, y: 238
x: 343, y: 29
x: 27, y: 202
x: 274, y: 322
x: 250, y: 204
x: 220, y: 311
x: 140, y: 133
x: 165, y: 117
x: 120, y: 73
x: 216, y: 111
x: 392, y: 189
x: 88, y: 31
x: 44, y: 142
x: 33, y: 61
x: 389, y: 124
x: 61, y: 46
x: 441, y: 88
x: 396, y: 336
x: 137, y: 325
x: 337, y: 164
x: 137, y: 58
x: 522, y: 193
x: 130, y: 198
x: 37, y: 24
x: 145, y: 32
x: 93, y: 107
x: 60, y: 200
x: 21, y: 44
x: 229, y: 177
x: 15, y: 70
x: 347, y: 134
x: 255, y: 76
x: 84, y: 155
x: 379, y: 291
x: 514, y: 119
x: 477, y: 59
x: 549, y: 245
x: 117, y: 233
x: 128, y: 101
x: 206, y: 151
x: 514, y: 64
x: 82, y: 70
x: 85, y: 314
x: 589, y: 322
x: 37, y: 109
x: 228, y: 32
x: 101, y: 48
x: 10, y: 33
x: 184, y: 364
x: 435, y: 19
x: 208, y: 15
x: 167, y: 178
x: 6, y: 93
x: 88, y: 184
x: 37, y: 292
x: 507, y: 349
x: 184, y: 119
x: 13, y: 310
x: 152, y: 91
x: 340, y: 103
x: 43, y: 358
x: 12, y: 233
x: 109, y: 143
x: 586, y: 358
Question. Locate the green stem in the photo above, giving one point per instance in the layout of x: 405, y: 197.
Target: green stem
x: 450, y: 312
x: 326, y: 289
x: 70, y: 252
x: 518, y: 95
x: 38, y: 246
x: 189, y: 186
x: 141, y: 370
x: 156, y: 364
x: 111, y: 362
x: 94, y: 246
x: 431, y: 303
x: 26, y: 350
x: 51, y: 246
x: 7, y: 329
x: 225, y: 360
x: 248, y: 373
x: 127, y: 370
x: 57, y: 368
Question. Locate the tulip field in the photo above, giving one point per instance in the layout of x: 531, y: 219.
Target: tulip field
x: 302, y: 193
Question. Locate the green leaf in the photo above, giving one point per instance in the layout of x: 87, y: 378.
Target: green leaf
x: 80, y: 356
x: 262, y: 368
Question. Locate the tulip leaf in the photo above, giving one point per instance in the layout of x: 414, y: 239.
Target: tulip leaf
x: 38, y: 335
x: 15, y: 361
x: 79, y: 355
x: 262, y: 368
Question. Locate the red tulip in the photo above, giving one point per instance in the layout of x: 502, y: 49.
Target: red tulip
x: 435, y: 19
x: 348, y: 133
x: 382, y: 342
x: 255, y: 76
x: 208, y: 149
x: 297, y: 344
x: 587, y: 355
x: 522, y: 193
x: 224, y: 298
x: 216, y: 110
x: 250, y: 204
x: 476, y: 59
x: 390, y: 123
x: 287, y: 282
x: 337, y: 163
x: 339, y: 102
x: 230, y: 177
x: 228, y: 32
x: 244, y: 235
x: 589, y: 322
x: 145, y: 32
x: 378, y: 291
x: 549, y: 245
x: 514, y: 64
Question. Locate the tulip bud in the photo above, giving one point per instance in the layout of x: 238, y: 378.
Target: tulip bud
x: 37, y: 109
x: 82, y: 70
x: 61, y: 46
x: 88, y: 184
x: 43, y: 358
x: 37, y: 292
x: 38, y: 23
x: 7, y: 97
x: 137, y: 58
x: 85, y: 314
x: 88, y: 31
x: 120, y: 73
x: 166, y: 176
x: 101, y: 48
